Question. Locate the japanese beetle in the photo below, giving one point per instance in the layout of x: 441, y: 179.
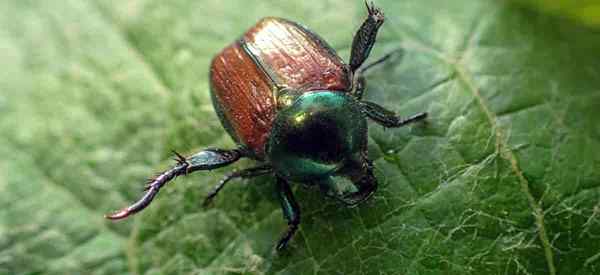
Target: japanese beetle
x: 290, y: 102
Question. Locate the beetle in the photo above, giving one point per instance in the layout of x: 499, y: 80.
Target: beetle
x: 290, y: 102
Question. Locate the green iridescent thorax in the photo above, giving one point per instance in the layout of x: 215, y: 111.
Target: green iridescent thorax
x: 315, y: 135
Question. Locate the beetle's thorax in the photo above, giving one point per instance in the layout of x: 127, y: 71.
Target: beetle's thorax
x: 316, y: 135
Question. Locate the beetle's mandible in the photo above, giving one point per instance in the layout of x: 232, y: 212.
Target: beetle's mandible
x: 291, y: 103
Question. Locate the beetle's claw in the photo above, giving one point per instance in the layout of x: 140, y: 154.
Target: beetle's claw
x: 374, y: 12
x: 121, y: 214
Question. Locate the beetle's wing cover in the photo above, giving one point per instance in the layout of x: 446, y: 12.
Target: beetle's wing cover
x: 295, y: 57
x: 242, y: 96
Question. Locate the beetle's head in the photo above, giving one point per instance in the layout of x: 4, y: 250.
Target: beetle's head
x: 317, y: 134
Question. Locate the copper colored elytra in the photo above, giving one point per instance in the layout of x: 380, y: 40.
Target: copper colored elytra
x: 286, y: 54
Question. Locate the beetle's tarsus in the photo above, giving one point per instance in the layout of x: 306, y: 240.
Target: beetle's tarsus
x: 387, y: 118
x: 152, y: 189
x: 146, y: 187
x: 287, y: 236
x: 203, y: 160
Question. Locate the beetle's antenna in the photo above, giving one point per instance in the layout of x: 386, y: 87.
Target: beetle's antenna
x: 152, y: 188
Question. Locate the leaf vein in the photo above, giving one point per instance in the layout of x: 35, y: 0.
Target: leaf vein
x: 506, y: 152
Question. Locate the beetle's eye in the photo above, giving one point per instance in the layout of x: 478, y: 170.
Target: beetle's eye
x: 315, y: 135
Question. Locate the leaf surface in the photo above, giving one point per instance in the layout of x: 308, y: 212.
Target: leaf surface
x: 502, y: 179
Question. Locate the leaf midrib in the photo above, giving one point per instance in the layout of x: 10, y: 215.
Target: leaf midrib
x: 502, y: 147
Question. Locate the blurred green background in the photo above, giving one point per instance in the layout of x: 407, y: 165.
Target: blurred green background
x: 503, y: 179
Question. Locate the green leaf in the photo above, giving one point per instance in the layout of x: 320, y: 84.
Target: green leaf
x: 502, y: 179
x: 584, y: 11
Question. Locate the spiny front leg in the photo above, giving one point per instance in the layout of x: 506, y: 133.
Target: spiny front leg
x: 204, y: 160
x: 364, y: 39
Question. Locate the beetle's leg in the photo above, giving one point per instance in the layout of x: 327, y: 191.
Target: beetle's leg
x: 358, y: 83
x: 291, y: 211
x: 366, y: 188
x: 204, y: 160
x: 361, y: 174
x: 245, y: 173
x: 364, y: 39
x: 358, y: 172
x: 387, y: 118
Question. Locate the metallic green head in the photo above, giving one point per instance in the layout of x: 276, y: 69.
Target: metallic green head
x: 316, y: 135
